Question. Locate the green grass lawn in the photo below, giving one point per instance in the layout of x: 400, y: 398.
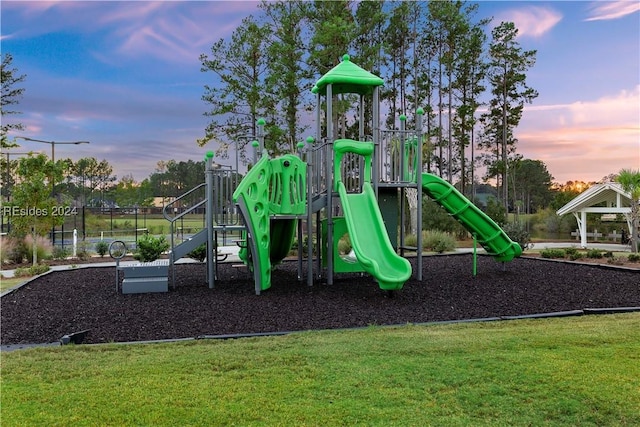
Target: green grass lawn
x: 8, y: 283
x: 572, y: 371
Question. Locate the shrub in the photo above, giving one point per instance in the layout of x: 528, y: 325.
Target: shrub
x: 102, y: 248
x: 594, y: 253
x: 82, y: 252
x: 608, y: 254
x: 199, y: 253
x: 571, y: 251
x: 438, y: 241
x: 149, y: 248
x: 14, y: 250
x: 518, y: 233
x: 42, y: 245
x: 496, y: 211
x: 552, y: 253
x: 435, y: 217
x: 432, y: 240
x: 38, y: 269
x: 22, y: 272
x: 633, y: 257
x: 615, y: 260
x: 31, y: 271
x: 59, y: 252
x: 574, y: 256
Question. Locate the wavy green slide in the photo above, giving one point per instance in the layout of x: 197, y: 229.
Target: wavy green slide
x: 370, y: 240
x: 489, y: 234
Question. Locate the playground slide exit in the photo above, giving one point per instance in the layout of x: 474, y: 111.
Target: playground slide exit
x: 370, y: 240
x: 489, y: 234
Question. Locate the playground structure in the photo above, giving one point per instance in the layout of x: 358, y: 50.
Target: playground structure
x: 332, y: 187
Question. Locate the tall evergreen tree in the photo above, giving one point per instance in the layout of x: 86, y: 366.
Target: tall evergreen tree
x: 288, y: 75
x: 238, y: 96
x: 507, y: 78
x: 368, y: 51
x: 532, y: 185
x: 332, y: 37
x: 467, y: 86
x: 10, y: 95
x: 400, y: 38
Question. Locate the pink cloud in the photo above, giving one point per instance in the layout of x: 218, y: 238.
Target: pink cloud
x: 584, y: 140
x: 532, y: 21
x: 605, y: 10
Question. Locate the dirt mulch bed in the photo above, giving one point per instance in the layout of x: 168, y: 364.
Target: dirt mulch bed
x: 68, y: 301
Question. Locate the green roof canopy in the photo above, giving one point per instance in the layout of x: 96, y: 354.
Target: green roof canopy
x: 347, y: 77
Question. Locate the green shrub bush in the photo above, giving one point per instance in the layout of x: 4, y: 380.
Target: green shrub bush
x: 150, y: 248
x: 435, y: 217
x: 199, y: 253
x: 496, y: 211
x: 82, y: 252
x: 574, y: 256
x: 102, y: 248
x: 60, y: 252
x: 34, y: 270
x: 552, y: 253
x: 39, y: 269
x: 571, y: 251
x: 22, y: 272
x: 518, y: 233
x: 438, y: 241
x: 633, y: 257
x: 411, y: 240
x: 594, y: 253
x: 432, y: 240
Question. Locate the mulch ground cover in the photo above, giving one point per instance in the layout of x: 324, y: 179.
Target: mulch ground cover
x: 79, y: 299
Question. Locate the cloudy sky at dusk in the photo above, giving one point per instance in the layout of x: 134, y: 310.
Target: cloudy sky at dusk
x: 126, y: 76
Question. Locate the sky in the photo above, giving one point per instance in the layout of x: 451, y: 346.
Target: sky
x: 125, y: 75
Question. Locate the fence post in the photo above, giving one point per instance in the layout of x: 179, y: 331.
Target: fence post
x: 75, y: 242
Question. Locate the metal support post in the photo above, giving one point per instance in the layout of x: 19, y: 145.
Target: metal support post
x: 211, y: 247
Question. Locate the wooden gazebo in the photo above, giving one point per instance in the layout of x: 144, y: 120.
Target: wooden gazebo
x: 606, y: 198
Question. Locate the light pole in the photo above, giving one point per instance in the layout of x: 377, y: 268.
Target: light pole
x: 53, y: 160
x: 53, y: 144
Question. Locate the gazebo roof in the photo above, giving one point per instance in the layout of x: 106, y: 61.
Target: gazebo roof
x: 610, y: 192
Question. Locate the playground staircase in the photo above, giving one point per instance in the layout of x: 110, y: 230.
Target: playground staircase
x: 146, y: 277
x: 188, y: 245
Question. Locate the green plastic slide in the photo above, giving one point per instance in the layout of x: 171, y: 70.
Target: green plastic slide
x: 489, y: 234
x: 370, y: 240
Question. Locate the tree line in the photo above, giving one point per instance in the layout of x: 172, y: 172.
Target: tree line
x: 437, y: 55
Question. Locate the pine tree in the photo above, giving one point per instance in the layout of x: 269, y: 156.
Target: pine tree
x: 288, y: 74
x: 507, y: 78
x: 333, y: 32
x: 238, y: 96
